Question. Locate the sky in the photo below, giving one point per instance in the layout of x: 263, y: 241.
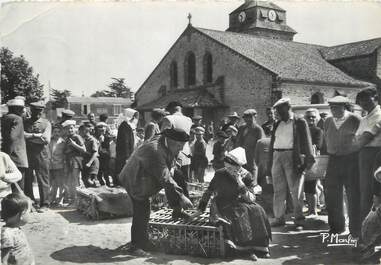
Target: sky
x: 80, y: 45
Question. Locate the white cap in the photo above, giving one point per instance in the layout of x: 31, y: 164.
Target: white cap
x: 281, y: 101
x: 377, y: 174
x: 16, y: 102
x: 68, y: 123
x: 238, y: 155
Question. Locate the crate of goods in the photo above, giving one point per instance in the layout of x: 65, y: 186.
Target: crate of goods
x: 103, y: 202
x: 197, y: 237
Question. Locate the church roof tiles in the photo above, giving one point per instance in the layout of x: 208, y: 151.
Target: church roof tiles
x: 353, y: 49
x: 289, y: 60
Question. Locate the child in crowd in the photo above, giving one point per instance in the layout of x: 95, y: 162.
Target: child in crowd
x: 219, y: 150
x: 58, y: 180
x: 199, y: 159
x: 90, y: 157
x: 74, y: 147
x: 113, y: 158
x: 139, y: 137
x: 14, y: 245
x: 104, y: 140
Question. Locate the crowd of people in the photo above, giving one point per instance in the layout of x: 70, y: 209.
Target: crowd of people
x: 171, y: 150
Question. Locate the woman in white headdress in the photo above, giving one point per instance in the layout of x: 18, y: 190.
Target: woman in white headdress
x: 245, y: 222
x: 125, y: 140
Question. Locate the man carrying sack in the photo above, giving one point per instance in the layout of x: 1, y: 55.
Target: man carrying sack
x: 147, y: 171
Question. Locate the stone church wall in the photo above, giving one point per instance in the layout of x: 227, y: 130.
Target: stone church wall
x: 245, y: 84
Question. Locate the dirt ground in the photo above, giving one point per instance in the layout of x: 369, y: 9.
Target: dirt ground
x: 65, y: 236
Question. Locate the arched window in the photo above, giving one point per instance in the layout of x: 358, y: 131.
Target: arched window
x: 173, y: 75
x: 162, y: 91
x: 190, y: 69
x: 317, y: 98
x: 208, y: 68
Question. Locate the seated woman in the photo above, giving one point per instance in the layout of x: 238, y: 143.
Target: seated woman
x: 246, y: 226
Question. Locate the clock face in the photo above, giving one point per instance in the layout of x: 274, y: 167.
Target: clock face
x: 272, y: 15
x: 242, y: 17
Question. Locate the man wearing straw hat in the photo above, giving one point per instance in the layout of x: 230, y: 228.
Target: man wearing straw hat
x: 147, y: 171
x: 342, y: 170
x: 12, y: 132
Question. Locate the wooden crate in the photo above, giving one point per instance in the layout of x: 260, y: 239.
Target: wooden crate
x: 196, y: 238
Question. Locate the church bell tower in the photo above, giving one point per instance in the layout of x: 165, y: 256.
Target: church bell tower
x: 262, y: 19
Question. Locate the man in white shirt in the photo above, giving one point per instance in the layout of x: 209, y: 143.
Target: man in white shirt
x: 368, y: 100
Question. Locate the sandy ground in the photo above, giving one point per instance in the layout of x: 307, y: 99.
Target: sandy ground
x: 64, y: 236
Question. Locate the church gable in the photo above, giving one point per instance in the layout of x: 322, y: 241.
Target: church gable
x: 197, y: 62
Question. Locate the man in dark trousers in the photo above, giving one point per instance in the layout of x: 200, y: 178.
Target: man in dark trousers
x: 149, y: 169
x: 342, y: 170
x: 248, y: 135
x: 12, y: 132
x: 37, y: 136
x: 290, y: 154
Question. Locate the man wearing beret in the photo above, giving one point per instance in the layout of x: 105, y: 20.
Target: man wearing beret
x: 289, y: 155
x: 147, y: 171
x: 12, y: 132
x: 153, y: 128
x: 37, y: 136
x: 248, y: 135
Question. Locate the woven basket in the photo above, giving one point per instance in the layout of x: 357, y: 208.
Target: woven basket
x: 319, y: 168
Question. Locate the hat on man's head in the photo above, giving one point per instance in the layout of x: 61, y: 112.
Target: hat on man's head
x: 199, y: 130
x: 236, y: 156
x: 197, y: 117
x: 38, y: 105
x: 173, y: 104
x: 233, y: 115
x: 281, y: 102
x: 180, y: 130
x: 222, y: 134
x: 338, y: 100
x: 15, y: 103
x: 68, y: 123
x: 67, y: 113
x: 250, y: 112
x: 20, y: 97
x: 232, y: 127
x: 101, y: 124
x: 159, y: 112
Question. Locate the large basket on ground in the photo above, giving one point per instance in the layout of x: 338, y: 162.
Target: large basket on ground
x: 319, y: 168
x: 103, y: 202
x: 196, y: 238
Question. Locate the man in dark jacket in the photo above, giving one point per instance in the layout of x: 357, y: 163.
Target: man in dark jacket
x: 149, y: 169
x: 12, y: 132
x: 37, y: 136
x: 290, y: 154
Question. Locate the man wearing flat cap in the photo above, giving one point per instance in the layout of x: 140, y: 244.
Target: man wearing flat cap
x: 37, y: 136
x: 12, y: 133
x: 290, y: 155
x: 153, y: 128
x: 248, y: 135
x: 342, y: 170
x: 147, y: 171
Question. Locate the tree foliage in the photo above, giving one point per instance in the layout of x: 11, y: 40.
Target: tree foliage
x: 18, y: 79
x: 59, y: 98
x: 118, y: 88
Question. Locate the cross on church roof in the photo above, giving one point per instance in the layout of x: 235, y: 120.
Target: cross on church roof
x: 189, y: 18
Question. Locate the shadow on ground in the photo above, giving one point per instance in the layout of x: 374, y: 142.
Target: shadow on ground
x: 73, y: 216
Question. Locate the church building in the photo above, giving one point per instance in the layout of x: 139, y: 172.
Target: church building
x: 252, y: 64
